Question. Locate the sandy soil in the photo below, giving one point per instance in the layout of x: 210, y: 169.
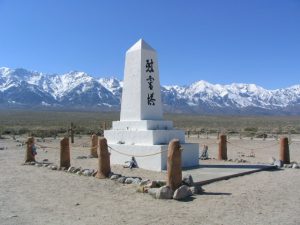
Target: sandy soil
x: 31, y: 195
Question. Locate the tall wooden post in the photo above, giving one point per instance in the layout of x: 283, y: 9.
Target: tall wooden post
x: 65, y: 153
x: 29, y: 157
x: 284, y: 154
x: 222, y: 154
x: 94, y: 146
x: 174, y: 170
x: 104, y: 159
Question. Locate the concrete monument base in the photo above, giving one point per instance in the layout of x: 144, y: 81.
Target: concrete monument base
x: 154, y: 156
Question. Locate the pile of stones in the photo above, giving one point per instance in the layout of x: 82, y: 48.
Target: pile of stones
x: 280, y: 164
x: 237, y: 160
x: 160, y: 190
x: 156, y: 188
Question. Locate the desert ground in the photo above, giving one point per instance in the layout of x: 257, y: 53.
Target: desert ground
x: 38, y: 195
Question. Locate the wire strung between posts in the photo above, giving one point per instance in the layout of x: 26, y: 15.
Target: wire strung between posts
x: 293, y: 142
x: 81, y: 145
x: 43, y: 146
x: 252, y: 148
x: 121, y: 153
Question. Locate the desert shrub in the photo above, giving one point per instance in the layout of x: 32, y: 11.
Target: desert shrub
x: 261, y: 135
x: 251, y: 129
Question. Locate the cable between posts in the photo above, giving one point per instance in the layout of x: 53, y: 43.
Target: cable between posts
x: 132, y: 155
x: 43, y: 146
x: 252, y: 148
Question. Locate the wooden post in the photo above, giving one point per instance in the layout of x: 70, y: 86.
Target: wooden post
x: 65, y: 153
x: 174, y: 171
x: 104, y: 160
x: 94, y: 146
x: 222, y: 154
x: 284, y: 154
x: 29, y: 157
x: 218, y: 135
x: 188, y: 133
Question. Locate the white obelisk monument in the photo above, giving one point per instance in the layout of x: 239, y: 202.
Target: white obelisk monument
x: 141, y: 131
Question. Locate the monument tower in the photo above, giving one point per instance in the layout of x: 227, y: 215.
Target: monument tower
x: 141, y: 131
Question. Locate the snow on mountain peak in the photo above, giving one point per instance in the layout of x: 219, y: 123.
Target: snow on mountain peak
x: 78, y: 88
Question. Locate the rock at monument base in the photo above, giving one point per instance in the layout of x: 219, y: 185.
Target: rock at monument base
x: 278, y: 163
x: 77, y: 170
x: 188, y: 180
x: 53, y: 167
x: 182, y: 192
x: 71, y: 169
x: 295, y: 166
x: 152, y: 192
x: 121, y: 179
x: 144, y: 182
x: 115, y: 176
x: 151, y: 184
x: 87, y: 172
x: 129, y: 180
x: 164, y: 192
x: 196, y: 190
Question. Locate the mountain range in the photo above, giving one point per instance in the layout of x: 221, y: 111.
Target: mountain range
x: 21, y: 88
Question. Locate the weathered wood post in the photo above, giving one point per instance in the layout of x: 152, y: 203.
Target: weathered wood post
x: 174, y: 170
x: 188, y: 133
x: 218, y: 135
x: 222, y: 154
x: 94, y: 146
x: 104, y: 159
x: 65, y: 153
x: 284, y: 154
x: 29, y: 157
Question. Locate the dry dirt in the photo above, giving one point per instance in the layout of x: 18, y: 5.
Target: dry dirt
x: 32, y: 195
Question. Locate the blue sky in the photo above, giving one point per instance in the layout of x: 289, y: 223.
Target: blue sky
x: 220, y: 41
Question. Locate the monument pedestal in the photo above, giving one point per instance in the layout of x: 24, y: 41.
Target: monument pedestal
x: 153, y: 157
x: 148, y: 145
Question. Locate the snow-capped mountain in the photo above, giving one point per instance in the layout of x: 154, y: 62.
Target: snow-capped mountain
x: 23, y: 88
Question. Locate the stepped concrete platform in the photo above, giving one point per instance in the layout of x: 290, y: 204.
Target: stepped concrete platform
x: 153, y: 157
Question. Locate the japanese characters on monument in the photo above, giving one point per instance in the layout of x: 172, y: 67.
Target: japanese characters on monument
x: 150, y: 79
